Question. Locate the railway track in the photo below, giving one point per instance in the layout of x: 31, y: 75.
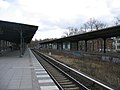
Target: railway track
x: 65, y: 77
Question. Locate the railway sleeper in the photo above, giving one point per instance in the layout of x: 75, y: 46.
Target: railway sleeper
x: 61, y: 78
x: 74, y: 88
x: 69, y: 85
x: 65, y: 83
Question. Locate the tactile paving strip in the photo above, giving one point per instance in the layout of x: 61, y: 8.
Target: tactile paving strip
x: 44, y: 80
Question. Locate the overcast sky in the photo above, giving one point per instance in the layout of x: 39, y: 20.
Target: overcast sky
x: 54, y: 16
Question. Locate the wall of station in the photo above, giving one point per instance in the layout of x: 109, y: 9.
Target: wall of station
x: 66, y: 46
x: 4, y: 45
x: 97, y: 45
x: 7, y: 46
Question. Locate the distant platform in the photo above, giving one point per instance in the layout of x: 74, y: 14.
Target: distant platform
x: 24, y: 73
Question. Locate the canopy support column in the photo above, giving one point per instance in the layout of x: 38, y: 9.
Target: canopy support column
x: 104, y: 45
x: 85, y: 45
x: 21, y: 43
x: 23, y: 46
x: 0, y: 46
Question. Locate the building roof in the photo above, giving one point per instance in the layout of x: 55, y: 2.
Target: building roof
x: 10, y: 31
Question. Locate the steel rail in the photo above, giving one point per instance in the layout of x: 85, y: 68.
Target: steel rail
x: 63, y: 80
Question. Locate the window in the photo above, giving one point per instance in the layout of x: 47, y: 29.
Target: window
x: 118, y: 47
x: 118, y: 41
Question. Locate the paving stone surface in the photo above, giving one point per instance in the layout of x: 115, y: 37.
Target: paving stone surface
x: 24, y: 73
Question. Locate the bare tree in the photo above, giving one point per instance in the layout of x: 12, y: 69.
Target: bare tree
x: 117, y: 21
x: 84, y: 27
x: 94, y: 24
x: 99, y: 25
x: 65, y: 34
x: 75, y: 31
x: 72, y: 31
x: 90, y: 23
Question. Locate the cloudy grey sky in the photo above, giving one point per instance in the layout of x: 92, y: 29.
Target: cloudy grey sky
x: 54, y: 16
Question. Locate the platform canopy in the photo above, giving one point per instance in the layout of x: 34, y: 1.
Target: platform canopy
x: 11, y: 31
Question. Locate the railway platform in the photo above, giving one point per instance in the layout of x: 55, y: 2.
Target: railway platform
x: 24, y: 73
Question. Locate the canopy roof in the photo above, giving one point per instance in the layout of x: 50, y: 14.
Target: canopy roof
x: 10, y: 31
